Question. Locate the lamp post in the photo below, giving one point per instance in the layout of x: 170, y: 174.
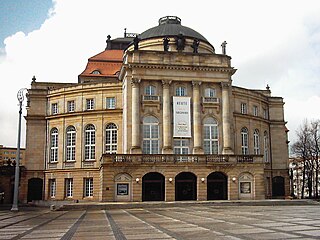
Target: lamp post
x: 17, y: 169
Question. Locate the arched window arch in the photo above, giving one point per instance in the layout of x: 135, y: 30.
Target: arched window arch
x: 71, y: 143
x: 150, y: 135
x: 210, y: 92
x: 150, y: 90
x: 181, y: 91
x: 54, y: 145
x: 266, y: 147
x: 90, y: 142
x: 256, y: 142
x: 111, y: 138
x: 210, y: 136
x: 244, y: 141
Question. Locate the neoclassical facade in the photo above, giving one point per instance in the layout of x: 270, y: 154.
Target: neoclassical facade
x: 155, y: 117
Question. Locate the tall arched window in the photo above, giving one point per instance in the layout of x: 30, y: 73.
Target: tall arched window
x: 181, y: 91
x: 150, y: 135
x: 90, y: 143
x: 256, y: 142
x: 244, y: 141
x: 150, y: 90
x: 210, y: 136
x: 266, y: 147
x: 54, y: 145
x: 111, y: 138
x: 71, y: 144
x: 210, y: 92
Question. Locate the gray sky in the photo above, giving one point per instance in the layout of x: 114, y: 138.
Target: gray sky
x: 270, y: 42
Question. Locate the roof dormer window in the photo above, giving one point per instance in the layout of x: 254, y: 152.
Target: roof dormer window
x: 96, y: 72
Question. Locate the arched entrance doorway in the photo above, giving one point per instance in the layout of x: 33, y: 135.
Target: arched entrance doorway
x: 153, y: 187
x: 186, y: 186
x: 35, y: 189
x: 278, y: 186
x: 217, y: 186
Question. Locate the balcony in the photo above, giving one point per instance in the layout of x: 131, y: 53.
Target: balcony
x: 151, y: 98
x: 183, y: 158
x: 210, y: 100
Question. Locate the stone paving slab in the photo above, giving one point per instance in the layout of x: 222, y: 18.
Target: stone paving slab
x: 189, y: 222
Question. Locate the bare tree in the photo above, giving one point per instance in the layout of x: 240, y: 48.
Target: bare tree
x: 306, y: 148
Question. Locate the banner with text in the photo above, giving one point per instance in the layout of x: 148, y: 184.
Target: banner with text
x: 181, y: 117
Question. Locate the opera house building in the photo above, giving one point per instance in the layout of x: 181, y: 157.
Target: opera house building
x: 155, y: 117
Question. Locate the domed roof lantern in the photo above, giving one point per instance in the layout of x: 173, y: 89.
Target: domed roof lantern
x: 170, y: 20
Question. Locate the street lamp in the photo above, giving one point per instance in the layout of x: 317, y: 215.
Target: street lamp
x: 20, y: 97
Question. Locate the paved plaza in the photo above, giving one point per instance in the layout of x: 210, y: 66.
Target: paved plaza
x: 178, y: 222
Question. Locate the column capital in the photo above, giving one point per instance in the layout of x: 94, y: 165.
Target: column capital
x: 196, y: 83
x: 225, y: 84
x: 135, y: 81
x: 166, y: 83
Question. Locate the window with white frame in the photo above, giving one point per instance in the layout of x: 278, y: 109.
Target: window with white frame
x: 150, y: 142
x: 89, y: 104
x: 181, y: 91
x: 210, y: 92
x: 111, y: 102
x: 244, y: 141
x: 54, y: 145
x: 266, y: 147
x: 54, y: 108
x: 71, y: 143
x: 150, y: 90
x: 181, y: 146
x: 69, y: 187
x: 210, y: 136
x: 255, y: 111
x: 88, y: 187
x: 111, y: 138
x: 52, y: 188
x: 90, y: 142
x: 243, y: 108
x: 256, y: 142
x: 71, y: 106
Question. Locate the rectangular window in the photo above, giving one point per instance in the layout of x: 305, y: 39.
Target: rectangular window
x: 90, y: 104
x: 71, y: 106
x: 255, y: 111
x: 111, y: 103
x: 88, y: 187
x: 243, y: 108
x: 52, y: 188
x: 69, y: 187
x: 54, y: 108
x: 181, y: 146
x: 265, y: 113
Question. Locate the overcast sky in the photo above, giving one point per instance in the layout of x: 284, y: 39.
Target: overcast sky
x: 270, y: 42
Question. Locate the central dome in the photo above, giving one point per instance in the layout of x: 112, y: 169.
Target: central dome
x: 171, y: 26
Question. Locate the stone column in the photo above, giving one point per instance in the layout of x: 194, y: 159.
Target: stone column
x: 166, y: 112
x: 197, y: 141
x: 227, y: 149
x: 135, y: 147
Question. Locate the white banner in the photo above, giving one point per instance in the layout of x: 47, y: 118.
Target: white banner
x: 181, y: 117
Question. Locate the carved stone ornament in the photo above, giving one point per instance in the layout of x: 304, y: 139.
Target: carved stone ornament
x: 225, y: 84
x: 166, y: 83
x: 196, y: 83
x: 135, y: 81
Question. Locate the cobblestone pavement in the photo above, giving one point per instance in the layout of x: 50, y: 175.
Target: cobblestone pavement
x: 191, y: 222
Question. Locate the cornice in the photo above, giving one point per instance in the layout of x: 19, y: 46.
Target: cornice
x: 183, y: 67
